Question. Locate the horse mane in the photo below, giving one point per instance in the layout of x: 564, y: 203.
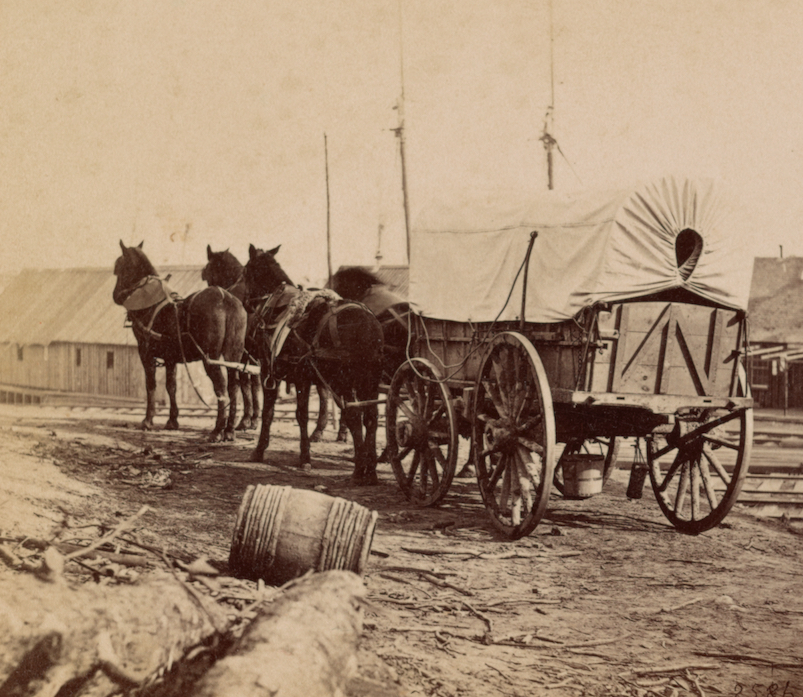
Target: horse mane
x: 354, y: 282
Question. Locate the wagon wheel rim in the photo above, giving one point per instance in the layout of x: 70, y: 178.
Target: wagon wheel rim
x: 697, y: 473
x: 608, y: 447
x: 422, y: 436
x: 513, y: 432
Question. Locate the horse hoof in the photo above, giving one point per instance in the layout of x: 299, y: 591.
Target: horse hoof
x: 305, y: 467
x: 229, y: 436
x: 342, y: 439
x: 467, y: 471
x: 215, y: 437
x: 242, y: 426
x: 171, y: 426
x: 316, y: 437
x: 146, y: 425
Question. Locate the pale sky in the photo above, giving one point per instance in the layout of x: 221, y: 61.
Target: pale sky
x: 192, y: 123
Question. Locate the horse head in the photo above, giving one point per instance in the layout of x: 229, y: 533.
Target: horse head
x: 130, y: 269
x: 353, y: 283
x: 262, y: 274
x: 222, y: 268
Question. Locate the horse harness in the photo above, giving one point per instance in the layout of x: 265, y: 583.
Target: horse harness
x: 281, y: 312
x: 153, y: 293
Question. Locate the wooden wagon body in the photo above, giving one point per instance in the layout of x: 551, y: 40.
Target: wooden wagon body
x: 536, y: 397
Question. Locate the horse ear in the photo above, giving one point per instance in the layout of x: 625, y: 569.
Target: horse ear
x: 122, y: 246
x: 252, y: 251
x: 139, y: 246
x: 208, y: 252
x: 273, y: 252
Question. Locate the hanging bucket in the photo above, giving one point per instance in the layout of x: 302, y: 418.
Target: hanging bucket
x: 582, y: 475
x: 281, y: 533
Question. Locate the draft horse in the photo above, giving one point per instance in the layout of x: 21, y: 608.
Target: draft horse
x: 207, y: 325
x: 392, y: 310
x: 225, y: 270
x: 311, y: 336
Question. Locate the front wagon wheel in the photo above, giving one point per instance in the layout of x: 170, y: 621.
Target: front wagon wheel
x: 698, y: 469
x: 513, y: 434
x: 421, y: 432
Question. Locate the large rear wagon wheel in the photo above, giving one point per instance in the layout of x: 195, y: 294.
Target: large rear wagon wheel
x: 513, y: 434
x: 607, y: 447
x: 697, y: 471
x: 421, y: 432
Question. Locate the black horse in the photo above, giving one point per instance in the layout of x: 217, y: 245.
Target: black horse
x: 392, y: 311
x: 310, y: 336
x: 223, y: 269
x: 207, y: 325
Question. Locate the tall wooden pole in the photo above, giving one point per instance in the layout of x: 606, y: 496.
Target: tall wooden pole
x: 546, y: 137
x: 328, y: 216
x: 400, y: 134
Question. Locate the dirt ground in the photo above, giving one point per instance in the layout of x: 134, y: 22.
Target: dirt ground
x: 604, y: 598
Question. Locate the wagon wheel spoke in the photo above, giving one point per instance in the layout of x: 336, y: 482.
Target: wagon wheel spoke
x: 500, y: 468
x: 413, y: 468
x: 722, y: 443
x: 717, y: 465
x: 492, y: 391
x: 671, y: 472
x: 408, y: 412
x: 708, y: 485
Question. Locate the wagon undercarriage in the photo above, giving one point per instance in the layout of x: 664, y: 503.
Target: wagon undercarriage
x: 528, y: 427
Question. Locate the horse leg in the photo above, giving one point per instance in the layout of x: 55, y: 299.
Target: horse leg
x: 370, y: 418
x: 170, y: 386
x: 215, y: 373
x: 323, y: 414
x: 248, y: 409
x: 303, y: 389
x: 149, y: 364
x: 269, y: 395
x: 255, y: 390
x: 233, y: 385
x: 342, y: 431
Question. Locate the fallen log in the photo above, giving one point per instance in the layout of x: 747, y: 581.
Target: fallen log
x: 99, y: 639
x: 304, y: 644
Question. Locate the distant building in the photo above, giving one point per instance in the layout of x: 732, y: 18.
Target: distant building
x: 61, y: 334
x: 776, y: 332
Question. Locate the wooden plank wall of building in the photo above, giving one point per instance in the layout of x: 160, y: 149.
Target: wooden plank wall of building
x: 97, y: 369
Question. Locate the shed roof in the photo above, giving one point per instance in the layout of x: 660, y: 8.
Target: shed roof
x: 74, y: 305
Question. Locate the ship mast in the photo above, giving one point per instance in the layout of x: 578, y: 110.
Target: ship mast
x: 399, y: 131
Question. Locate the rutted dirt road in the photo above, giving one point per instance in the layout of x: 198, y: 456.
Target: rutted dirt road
x: 604, y: 598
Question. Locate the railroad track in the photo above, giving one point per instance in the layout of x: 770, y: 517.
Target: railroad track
x: 773, y: 487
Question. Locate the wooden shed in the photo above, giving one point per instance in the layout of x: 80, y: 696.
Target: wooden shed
x: 776, y: 332
x: 62, y: 336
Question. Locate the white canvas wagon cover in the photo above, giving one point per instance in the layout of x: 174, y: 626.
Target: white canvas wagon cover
x: 591, y: 247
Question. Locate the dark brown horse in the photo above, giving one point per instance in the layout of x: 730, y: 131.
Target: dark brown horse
x: 355, y: 283
x: 224, y: 269
x: 208, y: 325
x: 310, y: 336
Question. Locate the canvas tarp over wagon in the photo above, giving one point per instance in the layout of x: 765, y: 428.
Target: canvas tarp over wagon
x: 577, y: 320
